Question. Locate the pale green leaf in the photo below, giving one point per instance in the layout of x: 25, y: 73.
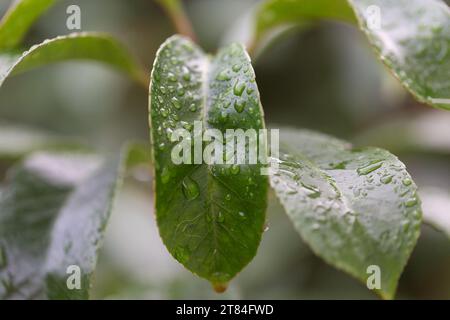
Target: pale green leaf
x: 18, y: 19
x: 412, y: 37
x: 53, y: 211
x: 354, y: 207
x: 276, y: 13
x: 77, y: 46
x: 413, y: 40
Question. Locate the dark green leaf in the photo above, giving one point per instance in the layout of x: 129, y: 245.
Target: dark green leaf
x: 53, y: 211
x: 210, y: 217
x: 414, y: 42
x: 18, y: 19
x: 76, y: 46
x: 354, y: 207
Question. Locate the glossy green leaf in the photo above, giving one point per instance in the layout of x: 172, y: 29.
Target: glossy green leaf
x: 413, y: 40
x: 412, y: 37
x: 76, y: 46
x: 18, y: 19
x: 355, y: 207
x: 276, y: 13
x: 210, y: 217
x: 53, y: 211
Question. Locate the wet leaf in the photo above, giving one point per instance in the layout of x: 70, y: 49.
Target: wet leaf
x: 77, y: 46
x: 276, y: 13
x: 53, y: 211
x: 18, y: 19
x: 355, y: 207
x: 210, y: 217
x: 411, y: 37
x: 413, y: 40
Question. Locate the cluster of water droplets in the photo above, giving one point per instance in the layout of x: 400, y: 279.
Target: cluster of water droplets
x: 234, y: 97
x: 391, y: 177
x: 176, y: 85
x: 417, y: 49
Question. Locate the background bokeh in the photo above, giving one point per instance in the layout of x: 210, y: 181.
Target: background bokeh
x: 325, y: 78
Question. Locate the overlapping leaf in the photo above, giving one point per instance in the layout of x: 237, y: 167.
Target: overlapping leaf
x: 412, y: 37
x: 356, y: 208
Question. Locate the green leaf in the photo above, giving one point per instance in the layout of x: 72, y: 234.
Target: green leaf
x: 76, y: 46
x: 414, y: 43
x: 18, y: 19
x: 276, y: 13
x: 53, y: 211
x: 354, y: 207
x: 413, y: 38
x: 210, y: 217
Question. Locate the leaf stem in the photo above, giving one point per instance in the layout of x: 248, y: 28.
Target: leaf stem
x: 176, y: 13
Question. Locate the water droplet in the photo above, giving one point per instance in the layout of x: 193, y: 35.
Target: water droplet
x: 228, y: 197
x: 374, y: 165
x: 190, y: 188
x: 236, y: 67
x: 180, y: 91
x: 187, y: 126
x: 224, y: 75
x: 407, y: 182
x: 311, y: 191
x: 235, y: 169
x: 163, y: 112
x: 186, y: 74
x: 169, y: 133
x: 165, y: 175
x: 176, y: 103
x: 239, y: 105
x: 416, y: 214
x: 220, y: 287
x: 386, y: 179
x: 405, y: 225
x: 238, y: 88
x: 223, y: 116
x: 411, y: 202
x: 242, y: 214
x: 171, y: 77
